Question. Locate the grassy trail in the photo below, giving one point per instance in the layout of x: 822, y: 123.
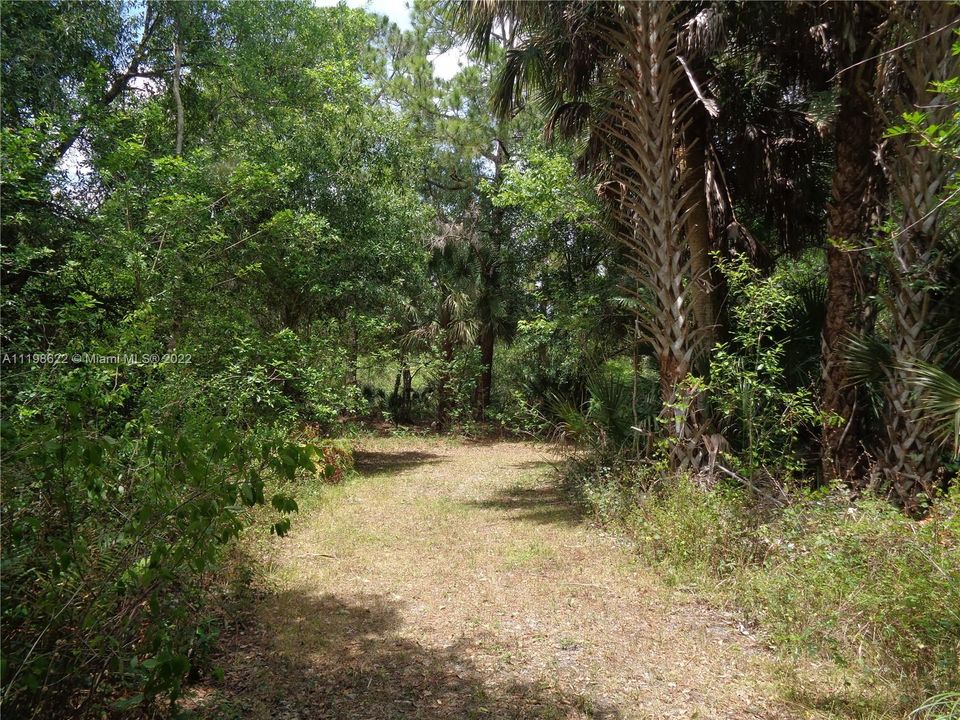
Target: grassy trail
x: 453, y: 580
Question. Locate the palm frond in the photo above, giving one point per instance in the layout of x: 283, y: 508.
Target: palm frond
x: 869, y: 359
x: 420, y: 338
x: 610, y: 406
x: 522, y: 67
x: 703, y: 34
x: 463, y: 332
x: 939, y: 398
x: 572, y: 424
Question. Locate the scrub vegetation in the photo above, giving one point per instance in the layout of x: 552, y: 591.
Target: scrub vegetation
x: 614, y: 372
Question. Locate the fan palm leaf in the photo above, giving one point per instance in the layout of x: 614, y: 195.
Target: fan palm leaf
x: 939, y: 399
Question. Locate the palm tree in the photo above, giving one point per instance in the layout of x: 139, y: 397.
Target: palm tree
x: 611, y: 70
x: 637, y: 138
x: 918, y: 175
x: 754, y: 144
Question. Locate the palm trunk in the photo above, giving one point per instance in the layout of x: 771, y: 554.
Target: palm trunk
x: 485, y: 381
x: 396, y: 387
x: 353, y: 352
x: 706, y: 288
x: 443, y: 380
x: 911, y: 461
x: 491, y: 289
x: 918, y: 175
x: 633, y: 393
x: 648, y: 187
x: 849, y: 223
x: 406, y: 402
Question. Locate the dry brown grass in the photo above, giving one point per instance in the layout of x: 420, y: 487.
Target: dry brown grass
x: 455, y: 581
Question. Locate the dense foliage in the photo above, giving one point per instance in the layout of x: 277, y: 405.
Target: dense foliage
x: 723, y: 271
x: 175, y: 298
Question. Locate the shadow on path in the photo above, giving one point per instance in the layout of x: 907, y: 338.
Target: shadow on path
x: 543, y: 505
x: 534, y: 465
x: 370, y: 463
x: 342, y: 658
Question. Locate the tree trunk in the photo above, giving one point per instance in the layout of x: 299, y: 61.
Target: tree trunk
x: 706, y: 299
x: 918, y: 176
x: 443, y: 380
x: 635, y: 387
x: 485, y: 381
x: 406, y: 402
x: 177, y: 100
x: 353, y: 352
x: 119, y: 85
x: 911, y: 460
x: 647, y: 189
x: 491, y: 281
x: 851, y: 215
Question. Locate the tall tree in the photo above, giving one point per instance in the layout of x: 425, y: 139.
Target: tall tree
x: 640, y: 133
x: 446, y: 322
x: 918, y: 176
x: 612, y: 70
x: 469, y: 148
x: 852, y: 217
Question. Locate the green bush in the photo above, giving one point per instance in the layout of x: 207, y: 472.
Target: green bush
x: 283, y: 378
x: 111, y: 531
x: 335, y: 457
x: 690, y: 531
x: 752, y: 390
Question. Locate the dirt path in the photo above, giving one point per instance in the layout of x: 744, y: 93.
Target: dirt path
x: 454, y: 581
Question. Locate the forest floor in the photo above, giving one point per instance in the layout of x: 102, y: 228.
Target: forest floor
x: 454, y: 580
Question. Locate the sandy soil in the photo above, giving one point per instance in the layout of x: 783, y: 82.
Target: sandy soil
x: 454, y: 580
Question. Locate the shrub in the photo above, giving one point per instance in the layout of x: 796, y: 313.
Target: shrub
x: 334, y: 457
x: 110, y: 534
x: 751, y: 389
x: 687, y: 530
x: 282, y: 378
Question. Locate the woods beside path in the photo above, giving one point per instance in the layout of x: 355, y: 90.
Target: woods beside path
x: 454, y: 579
x: 710, y: 251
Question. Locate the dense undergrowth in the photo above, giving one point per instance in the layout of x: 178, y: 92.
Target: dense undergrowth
x: 850, y: 580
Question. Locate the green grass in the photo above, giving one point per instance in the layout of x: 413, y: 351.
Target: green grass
x: 856, y: 584
x: 519, y: 555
